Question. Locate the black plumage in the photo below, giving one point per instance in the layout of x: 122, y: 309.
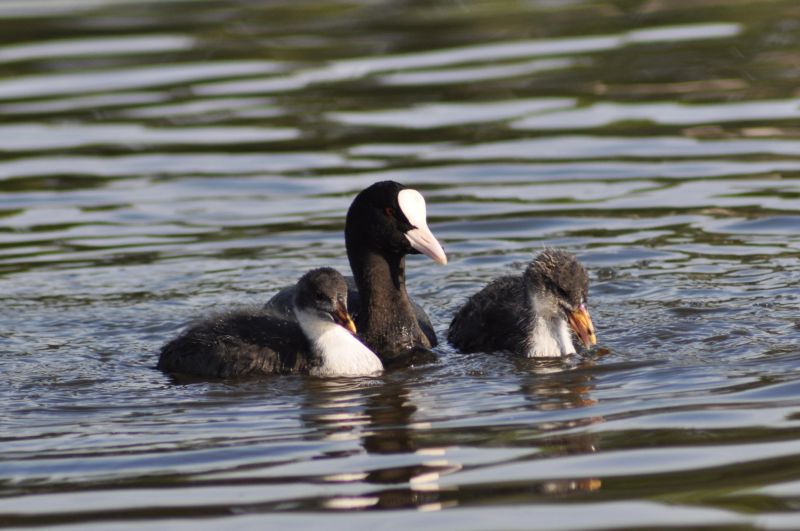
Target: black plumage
x: 493, y: 318
x: 250, y: 341
x: 281, y: 304
x: 501, y: 316
x: 238, y: 343
x: 388, y: 321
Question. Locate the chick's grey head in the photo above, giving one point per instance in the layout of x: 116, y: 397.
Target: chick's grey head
x: 557, y: 282
x: 323, y: 293
x: 559, y: 273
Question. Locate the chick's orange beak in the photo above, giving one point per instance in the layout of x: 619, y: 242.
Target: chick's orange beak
x: 342, y: 318
x: 581, y: 322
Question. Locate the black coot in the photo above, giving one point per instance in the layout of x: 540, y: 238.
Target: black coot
x: 385, y: 222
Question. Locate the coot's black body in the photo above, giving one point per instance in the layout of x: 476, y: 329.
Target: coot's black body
x: 385, y: 222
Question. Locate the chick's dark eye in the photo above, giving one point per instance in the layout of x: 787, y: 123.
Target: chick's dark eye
x: 388, y: 212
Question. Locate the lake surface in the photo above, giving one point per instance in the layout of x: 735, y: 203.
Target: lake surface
x: 160, y: 159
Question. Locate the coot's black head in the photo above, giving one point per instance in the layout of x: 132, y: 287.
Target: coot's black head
x: 390, y: 219
x: 323, y: 292
x: 556, y: 278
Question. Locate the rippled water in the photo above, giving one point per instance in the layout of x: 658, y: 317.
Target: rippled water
x: 159, y: 159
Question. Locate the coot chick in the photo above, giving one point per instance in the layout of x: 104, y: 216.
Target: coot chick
x: 530, y: 314
x: 385, y: 222
x: 247, y: 342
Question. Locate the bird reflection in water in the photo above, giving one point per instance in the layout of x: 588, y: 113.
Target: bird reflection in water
x: 380, y: 417
x: 554, y: 385
x: 378, y: 414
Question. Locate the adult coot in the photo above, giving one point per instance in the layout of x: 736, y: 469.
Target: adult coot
x: 385, y: 222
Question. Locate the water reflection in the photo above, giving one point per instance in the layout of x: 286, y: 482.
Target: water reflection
x: 556, y: 384
x: 378, y: 415
x: 127, y: 78
x: 604, y: 114
x: 551, y: 386
x: 383, y: 418
x: 119, y: 45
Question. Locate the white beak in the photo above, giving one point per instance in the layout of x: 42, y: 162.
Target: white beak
x: 421, y: 238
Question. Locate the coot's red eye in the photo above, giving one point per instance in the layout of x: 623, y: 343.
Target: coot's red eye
x: 389, y: 211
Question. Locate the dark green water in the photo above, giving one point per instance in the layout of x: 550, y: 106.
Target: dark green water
x: 159, y: 159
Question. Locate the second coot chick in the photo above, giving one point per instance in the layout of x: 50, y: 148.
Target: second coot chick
x: 531, y: 314
x: 319, y: 341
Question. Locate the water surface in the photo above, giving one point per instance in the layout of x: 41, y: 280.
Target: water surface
x: 162, y: 159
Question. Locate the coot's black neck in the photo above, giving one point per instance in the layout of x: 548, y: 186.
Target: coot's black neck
x: 386, y: 320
